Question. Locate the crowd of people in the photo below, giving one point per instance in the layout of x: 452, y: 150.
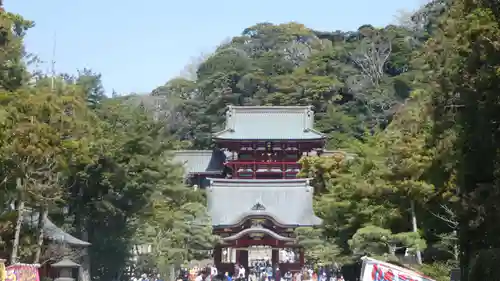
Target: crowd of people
x: 146, y: 277
x: 261, y: 271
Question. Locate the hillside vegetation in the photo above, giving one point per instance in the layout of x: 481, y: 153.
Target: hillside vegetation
x: 416, y: 101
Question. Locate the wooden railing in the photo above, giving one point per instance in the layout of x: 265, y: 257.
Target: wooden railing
x: 252, y: 169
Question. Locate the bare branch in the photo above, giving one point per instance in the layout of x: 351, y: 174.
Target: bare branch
x: 372, y: 55
x: 449, y: 218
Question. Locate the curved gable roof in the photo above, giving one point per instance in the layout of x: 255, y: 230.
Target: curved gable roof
x: 257, y: 230
x: 288, y: 201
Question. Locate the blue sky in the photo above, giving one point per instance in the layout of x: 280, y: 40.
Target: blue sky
x: 139, y: 45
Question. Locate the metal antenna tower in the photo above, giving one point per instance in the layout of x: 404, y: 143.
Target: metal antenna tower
x: 53, y: 62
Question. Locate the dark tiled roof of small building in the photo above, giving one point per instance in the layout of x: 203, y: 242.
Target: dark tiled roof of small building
x: 65, y: 263
x: 288, y: 201
x: 269, y: 123
x: 201, y: 161
x: 52, y: 231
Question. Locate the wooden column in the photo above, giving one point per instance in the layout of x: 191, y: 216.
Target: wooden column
x: 244, y: 259
x: 238, y: 256
x: 217, y: 255
x: 275, y: 256
x: 301, y: 257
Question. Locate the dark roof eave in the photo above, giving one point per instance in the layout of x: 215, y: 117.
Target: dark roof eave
x: 206, y: 173
x: 64, y: 236
x: 284, y: 226
x: 315, y: 222
x: 257, y: 230
x: 51, y: 231
x: 233, y: 225
x: 265, y: 139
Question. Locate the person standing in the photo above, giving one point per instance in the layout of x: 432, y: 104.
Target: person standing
x: 236, y: 272
x: 193, y: 272
x: 288, y: 276
x: 241, y: 273
x: 213, y: 272
x: 269, y: 271
x: 277, y: 273
x: 201, y: 276
x: 306, y: 275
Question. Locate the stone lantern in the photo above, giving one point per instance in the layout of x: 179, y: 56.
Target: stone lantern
x: 65, y: 269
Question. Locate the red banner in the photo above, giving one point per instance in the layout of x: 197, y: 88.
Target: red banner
x: 22, y: 272
x: 375, y: 270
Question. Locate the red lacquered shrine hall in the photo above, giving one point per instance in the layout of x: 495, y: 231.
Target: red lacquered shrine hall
x: 255, y: 200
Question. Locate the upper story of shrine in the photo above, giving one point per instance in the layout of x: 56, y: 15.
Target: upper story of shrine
x: 269, y: 129
x: 257, y: 142
x: 266, y: 142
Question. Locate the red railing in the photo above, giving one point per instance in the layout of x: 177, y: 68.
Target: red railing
x: 251, y: 169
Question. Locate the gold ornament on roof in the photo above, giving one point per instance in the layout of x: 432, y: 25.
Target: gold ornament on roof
x: 257, y: 223
x: 257, y: 236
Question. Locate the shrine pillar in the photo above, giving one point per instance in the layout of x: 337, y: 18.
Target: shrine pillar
x: 275, y: 256
x: 301, y: 257
x: 217, y: 255
x: 244, y: 258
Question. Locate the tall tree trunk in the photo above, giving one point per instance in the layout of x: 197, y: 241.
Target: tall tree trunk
x: 82, y: 230
x: 42, y: 217
x: 19, y: 222
x: 415, y: 228
x: 85, y: 265
x: 456, y: 249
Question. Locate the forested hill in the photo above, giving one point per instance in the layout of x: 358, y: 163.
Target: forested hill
x: 355, y: 80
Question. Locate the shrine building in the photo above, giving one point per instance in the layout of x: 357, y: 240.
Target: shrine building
x: 255, y: 199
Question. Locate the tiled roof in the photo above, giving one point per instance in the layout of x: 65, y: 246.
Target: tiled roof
x: 269, y: 123
x: 65, y: 263
x: 201, y: 161
x: 52, y: 231
x: 288, y: 201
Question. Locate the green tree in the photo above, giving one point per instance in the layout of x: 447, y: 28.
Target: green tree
x: 42, y: 130
x: 463, y: 60
x: 13, y: 70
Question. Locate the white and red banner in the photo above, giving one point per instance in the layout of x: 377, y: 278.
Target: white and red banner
x: 375, y: 270
x: 22, y: 272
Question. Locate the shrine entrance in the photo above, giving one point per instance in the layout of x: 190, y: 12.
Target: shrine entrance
x: 231, y: 256
x: 251, y: 256
x: 258, y: 254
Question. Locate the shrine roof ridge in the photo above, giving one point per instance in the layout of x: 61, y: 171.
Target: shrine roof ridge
x: 269, y: 123
x: 270, y: 108
x: 298, y: 182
